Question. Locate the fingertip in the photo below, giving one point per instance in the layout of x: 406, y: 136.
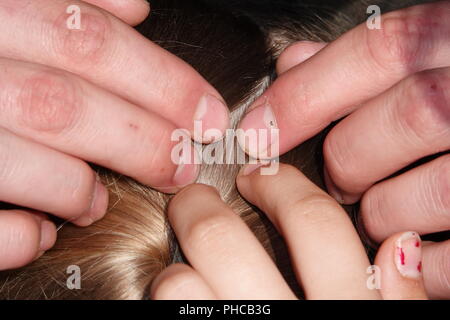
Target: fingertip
x: 333, y: 190
x: 249, y: 168
x: 20, y: 236
x: 337, y: 193
x: 48, y: 235
x: 157, y: 286
x: 131, y: 12
x: 179, y: 282
x: 98, y: 207
x: 258, y: 132
x: 297, y: 53
x: 187, y: 171
x: 138, y: 13
x: 211, y: 119
x: 400, y: 261
x: 254, y: 179
x: 189, y: 193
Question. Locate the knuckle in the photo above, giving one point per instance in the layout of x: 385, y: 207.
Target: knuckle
x: 398, y: 45
x: 48, y: 102
x: 316, y: 210
x: 426, y: 112
x: 189, y: 193
x: 84, y: 44
x: 195, y: 189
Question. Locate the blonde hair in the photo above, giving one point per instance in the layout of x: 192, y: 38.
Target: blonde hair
x: 120, y: 255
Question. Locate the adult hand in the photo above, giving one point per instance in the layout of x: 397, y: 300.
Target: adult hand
x: 98, y: 92
x: 228, y: 262
x: 395, y: 82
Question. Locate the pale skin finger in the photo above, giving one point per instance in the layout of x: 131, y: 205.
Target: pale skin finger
x: 114, y: 56
x: 132, y: 12
x: 23, y: 237
x: 436, y: 269
x: 400, y: 262
x: 297, y: 53
x: 180, y: 282
x: 404, y: 124
x: 37, y: 177
x: 415, y: 200
x: 326, y: 251
x: 67, y: 113
x: 222, y: 249
x: 304, y: 100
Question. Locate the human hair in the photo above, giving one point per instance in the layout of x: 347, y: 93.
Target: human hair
x: 234, y: 45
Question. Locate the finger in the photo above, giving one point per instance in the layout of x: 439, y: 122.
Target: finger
x: 132, y: 12
x: 400, y: 262
x: 180, y: 282
x: 222, y: 249
x: 326, y: 251
x: 405, y: 124
x: 71, y: 115
x: 37, y: 177
x: 114, y: 56
x: 23, y: 237
x: 416, y: 200
x: 365, y: 63
x: 297, y: 53
x: 436, y: 269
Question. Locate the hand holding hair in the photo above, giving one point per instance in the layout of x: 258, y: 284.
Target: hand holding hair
x: 98, y: 92
x: 391, y: 151
x: 227, y: 262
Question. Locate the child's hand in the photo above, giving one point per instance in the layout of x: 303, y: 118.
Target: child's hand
x: 227, y: 261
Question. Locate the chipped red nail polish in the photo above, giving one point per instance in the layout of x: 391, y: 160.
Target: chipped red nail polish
x: 408, y: 255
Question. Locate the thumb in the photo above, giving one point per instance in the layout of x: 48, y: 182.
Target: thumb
x: 400, y: 261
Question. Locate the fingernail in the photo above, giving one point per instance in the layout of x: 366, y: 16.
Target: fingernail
x: 260, y: 121
x: 98, y: 206
x: 331, y: 187
x: 211, y: 119
x: 188, y: 169
x: 48, y: 235
x: 408, y: 255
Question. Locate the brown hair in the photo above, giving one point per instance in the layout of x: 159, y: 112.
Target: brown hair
x: 234, y: 46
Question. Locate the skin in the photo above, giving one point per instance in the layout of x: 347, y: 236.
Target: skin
x: 393, y: 87
x: 82, y: 72
x: 57, y: 85
x: 216, y: 242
